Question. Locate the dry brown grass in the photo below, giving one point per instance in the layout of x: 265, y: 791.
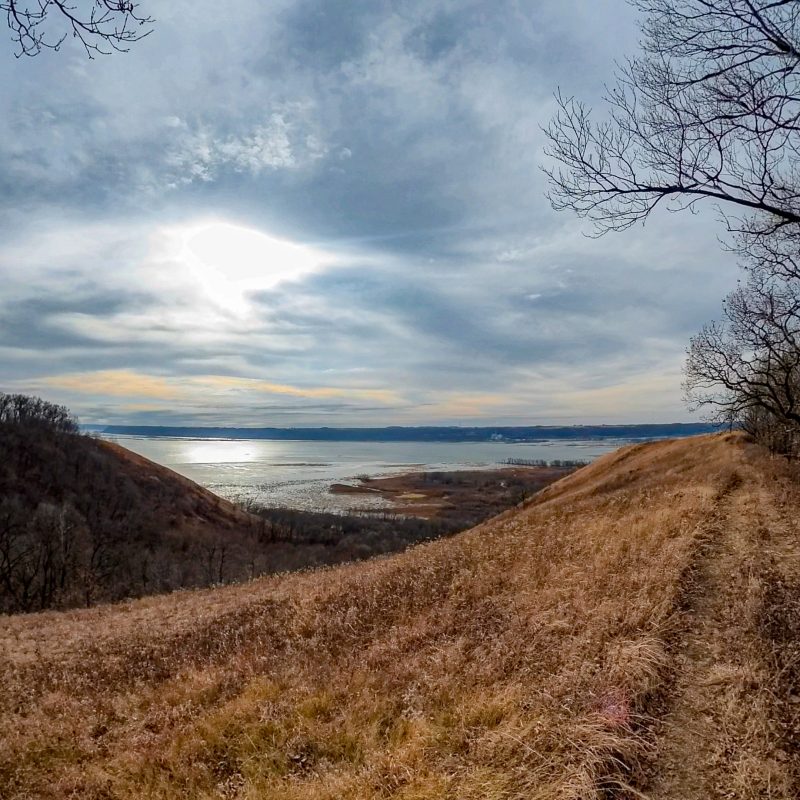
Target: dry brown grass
x: 521, y: 659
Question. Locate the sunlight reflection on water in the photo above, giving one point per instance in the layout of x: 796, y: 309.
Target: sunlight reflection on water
x: 298, y: 474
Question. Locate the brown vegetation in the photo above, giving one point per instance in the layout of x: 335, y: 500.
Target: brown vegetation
x: 631, y: 626
x: 84, y: 521
x: 463, y: 498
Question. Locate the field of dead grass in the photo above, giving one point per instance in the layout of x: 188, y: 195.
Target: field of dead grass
x: 534, y: 656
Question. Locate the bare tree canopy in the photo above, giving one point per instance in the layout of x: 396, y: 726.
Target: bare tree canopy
x: 101, y: 26
x: 710, y: 109
x: 33, y: 412
x: 748, y: 365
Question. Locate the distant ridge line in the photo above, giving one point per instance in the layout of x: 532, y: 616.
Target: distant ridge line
x: 528, y: 433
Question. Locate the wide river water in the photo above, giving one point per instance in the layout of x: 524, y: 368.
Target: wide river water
x: 298, y: 474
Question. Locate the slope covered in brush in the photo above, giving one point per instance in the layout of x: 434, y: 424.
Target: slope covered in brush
x: 82, y: 520
x: 634, y: 625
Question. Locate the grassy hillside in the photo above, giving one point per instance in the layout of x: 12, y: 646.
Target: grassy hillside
x: 633, y: 630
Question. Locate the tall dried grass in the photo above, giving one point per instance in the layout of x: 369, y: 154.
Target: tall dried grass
x: 517, y: 660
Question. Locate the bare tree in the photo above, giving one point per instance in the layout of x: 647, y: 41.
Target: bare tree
x: 101, y: 26
x: 745, y: 370
x: 709, y: 109
x: 19, y: 410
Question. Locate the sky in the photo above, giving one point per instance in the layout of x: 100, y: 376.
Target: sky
x: 332, y: 212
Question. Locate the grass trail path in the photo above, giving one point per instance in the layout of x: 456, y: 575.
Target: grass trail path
x: 717, y: 736
x: 510, y: 662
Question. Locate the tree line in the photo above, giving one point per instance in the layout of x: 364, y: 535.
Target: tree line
x: 77, y: 526
x: 81, y: 524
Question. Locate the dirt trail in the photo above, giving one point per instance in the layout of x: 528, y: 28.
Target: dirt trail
x: 717, y: 735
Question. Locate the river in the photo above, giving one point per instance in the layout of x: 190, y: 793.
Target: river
x: 298, y: 474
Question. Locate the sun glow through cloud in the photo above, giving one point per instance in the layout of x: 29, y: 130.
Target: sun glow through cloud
x: 228, y: 261
x: 351, y: 231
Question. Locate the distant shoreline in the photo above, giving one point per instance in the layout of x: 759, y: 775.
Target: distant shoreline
x: 511, y: 434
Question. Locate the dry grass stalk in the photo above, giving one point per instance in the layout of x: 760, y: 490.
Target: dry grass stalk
x: 521, y: 659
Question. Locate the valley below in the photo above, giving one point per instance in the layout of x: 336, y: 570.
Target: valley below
x: 463, y: 497
x: 298, y: 474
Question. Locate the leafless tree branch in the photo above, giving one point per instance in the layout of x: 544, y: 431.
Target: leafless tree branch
x: 101, y: 26
x: 709, y: 110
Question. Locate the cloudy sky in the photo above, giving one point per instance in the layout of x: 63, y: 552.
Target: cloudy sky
x: 331, y: 212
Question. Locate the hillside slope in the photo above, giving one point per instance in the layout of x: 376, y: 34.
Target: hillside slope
x: 83, y: 520
x: 632, y: 630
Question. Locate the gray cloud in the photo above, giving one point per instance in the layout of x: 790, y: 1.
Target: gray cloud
x: 402, y: 140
